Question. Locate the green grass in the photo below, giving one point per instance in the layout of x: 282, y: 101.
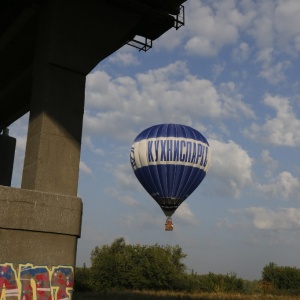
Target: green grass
x: 150, y: 295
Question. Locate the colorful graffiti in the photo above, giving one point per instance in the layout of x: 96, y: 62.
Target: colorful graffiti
x: 29, y: 282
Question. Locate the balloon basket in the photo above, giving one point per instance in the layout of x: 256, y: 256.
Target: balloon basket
x: 169, y: 224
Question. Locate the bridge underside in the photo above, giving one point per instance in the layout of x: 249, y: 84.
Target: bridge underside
x: 79, y: 35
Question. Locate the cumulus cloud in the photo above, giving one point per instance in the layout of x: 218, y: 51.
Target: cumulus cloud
x: 283, y: 186
x: 241, y: 53
x: 124, y: 58
x: 276, y: 23
x: 125, y: 177
x: 270, y: 163
x: 184, y: 213
x: 271, y: 25
x: 84, y: 168
x: 274, y: 73
x: 87, y: 140
x: 268, y: 219
x: 281, y: 130
x: 121, y: 106
x: 287, y: 22
x: 232, y: 101
x: 275, y: 26
x: 262, y: 27
x: 218, y: 69
x: 231, y: 168
x: 211, y: 27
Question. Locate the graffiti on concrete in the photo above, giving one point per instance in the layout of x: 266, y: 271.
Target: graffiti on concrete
x: 29, y: 282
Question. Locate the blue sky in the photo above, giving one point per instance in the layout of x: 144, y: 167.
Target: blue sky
x: 232, y: 72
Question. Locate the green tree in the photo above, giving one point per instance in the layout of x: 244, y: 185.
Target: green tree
x: 82, y: 279
x: 281, y: 280
x: 213, y: 283
x: 120, y: 266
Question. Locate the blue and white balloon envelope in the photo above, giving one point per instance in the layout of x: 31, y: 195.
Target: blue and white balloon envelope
x: 170, y: 161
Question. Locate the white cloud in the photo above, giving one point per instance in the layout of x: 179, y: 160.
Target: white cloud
x: 184, y: 213
x: 211, y: 27
x: 231, y: 168
x: 272, y: 71
x: 276, y: 23
x: 268, y: 219
x: 116, y: 194
x: 218, y: 69
x: 233, y: 105
x: 124, y: 176
x: 241, y: 53
x: 287, y: 22
x: 269, y: 162
x: 283, y: 129
x: 84, y: 168
x: 276, y: 73
x: 265, y: 56
x: 115, y: 107
x: 273, y: 25
x: 284, y: 186
x: 123, y: 58
x: 87, y: 140
x: 262, y: 28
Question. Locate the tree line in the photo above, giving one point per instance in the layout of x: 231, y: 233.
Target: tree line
x: 122, y: 266
x: 280, y: 279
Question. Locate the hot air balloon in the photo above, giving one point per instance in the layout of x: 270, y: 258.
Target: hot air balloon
x: 170, y: 161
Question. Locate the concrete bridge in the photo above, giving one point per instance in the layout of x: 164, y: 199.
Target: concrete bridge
x: 47, y: 47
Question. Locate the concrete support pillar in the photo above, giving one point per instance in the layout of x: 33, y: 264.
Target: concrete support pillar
x: 51, y: 167
x: 7, y: 156
x: 57, y: 106
x: 54, y: 133
x: 41, y: 222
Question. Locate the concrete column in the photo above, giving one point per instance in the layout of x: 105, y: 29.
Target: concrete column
x: 41, y: 222
x: 57, y: 104
x: 54, y: 133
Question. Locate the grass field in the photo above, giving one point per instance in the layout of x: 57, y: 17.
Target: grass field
x: 149, y: 295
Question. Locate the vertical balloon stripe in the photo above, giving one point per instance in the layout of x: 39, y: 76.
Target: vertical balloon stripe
x: 144, y: 180
x: 189, y: 187
x: 177, y: 178
x: 174, y: 178
x: 185, y: 191
x: 192, y: 182
x: 156, y: 172
x: 171, y: 171
x: 185, y: 171
x: 162, y: 169
x: 153, y: 171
